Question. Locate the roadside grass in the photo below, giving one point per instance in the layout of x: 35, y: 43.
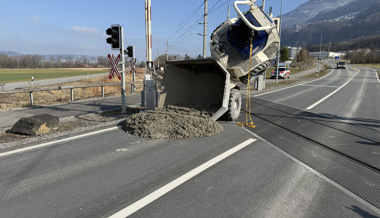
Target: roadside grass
x: 293, y: 81
x: 377, y: 65
x: 21, y: 75
x: 8, y: 101
x: 292, y: 70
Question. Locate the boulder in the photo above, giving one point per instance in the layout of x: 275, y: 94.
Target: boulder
x: 36, y: 125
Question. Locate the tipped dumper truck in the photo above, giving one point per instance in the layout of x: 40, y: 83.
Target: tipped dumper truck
x: 212, y: 81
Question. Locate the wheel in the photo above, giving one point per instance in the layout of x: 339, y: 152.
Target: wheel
x: 234, y: 105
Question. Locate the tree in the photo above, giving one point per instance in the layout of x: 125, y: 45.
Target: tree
x: 284, y: 54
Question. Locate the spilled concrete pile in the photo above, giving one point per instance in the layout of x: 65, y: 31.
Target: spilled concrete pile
x: 173, y: 122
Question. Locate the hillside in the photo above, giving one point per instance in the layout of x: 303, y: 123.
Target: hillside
x: 352, y: 20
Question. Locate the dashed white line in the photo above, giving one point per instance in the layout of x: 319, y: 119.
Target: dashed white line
x: 177, y: 182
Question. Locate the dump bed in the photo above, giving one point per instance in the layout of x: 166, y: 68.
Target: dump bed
x: 196, y: 82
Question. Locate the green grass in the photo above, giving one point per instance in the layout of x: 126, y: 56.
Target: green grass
x: 368, y: 65
x: 293, y: 81
x: 21, y: 75
x: 292, y: 71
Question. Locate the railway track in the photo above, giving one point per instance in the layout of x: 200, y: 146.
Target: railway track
x: 349, y: 159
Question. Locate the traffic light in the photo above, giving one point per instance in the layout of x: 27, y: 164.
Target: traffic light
x: 115, y: 36
x: 131, y: 51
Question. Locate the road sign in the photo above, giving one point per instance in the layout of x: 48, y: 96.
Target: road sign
x: 114, y: 64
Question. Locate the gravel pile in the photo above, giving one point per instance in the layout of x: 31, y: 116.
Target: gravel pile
x: 172, y: 122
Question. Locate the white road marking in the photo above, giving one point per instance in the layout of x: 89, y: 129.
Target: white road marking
x: 320, y: 175
x: 55, y: 142
x: 329, y: 95
x: 322, y: 86
x: 177, y: 182
x: 292, y: 86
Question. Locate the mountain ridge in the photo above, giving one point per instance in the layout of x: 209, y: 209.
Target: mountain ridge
x: 352, y: 19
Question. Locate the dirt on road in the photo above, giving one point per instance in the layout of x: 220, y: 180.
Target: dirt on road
x: 172, y: 122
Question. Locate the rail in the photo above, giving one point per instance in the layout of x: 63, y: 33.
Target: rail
x: 31, y: 90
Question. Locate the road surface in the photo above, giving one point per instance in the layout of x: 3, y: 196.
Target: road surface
x: 297, y: 162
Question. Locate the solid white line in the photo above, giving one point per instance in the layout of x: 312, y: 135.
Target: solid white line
x: 55, y: 142
x: 320, y: 175
x: 326, y: 97
x: 322, y: 86
x: 292, y: 86
x: 177, y: 182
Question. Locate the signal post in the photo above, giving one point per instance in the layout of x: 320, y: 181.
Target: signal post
x: 116, y: 40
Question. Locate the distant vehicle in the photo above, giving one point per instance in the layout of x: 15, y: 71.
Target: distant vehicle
x: 284, y: 71
x: 341, y: 65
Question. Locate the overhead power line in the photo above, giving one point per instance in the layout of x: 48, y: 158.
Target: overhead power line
x: 190, y: 29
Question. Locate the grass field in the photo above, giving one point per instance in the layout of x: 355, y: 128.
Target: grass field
x: 368, y: 65
x: 8, y: 101
x: 21, y: 75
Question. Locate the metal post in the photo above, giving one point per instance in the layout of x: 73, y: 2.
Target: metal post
x: 31, y: 98
x: 228, y: 13
x: 205, y: 31
x: 263, y: 5
x: 102, y: 91
x: 279, y: 44
x: 72, y: 94
x: 123, y: 97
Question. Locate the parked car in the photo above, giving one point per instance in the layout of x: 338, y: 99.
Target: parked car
x: 341, y: 65
x: 284, y: 72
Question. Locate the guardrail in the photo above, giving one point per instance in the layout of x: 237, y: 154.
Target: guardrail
x: 31, y: 90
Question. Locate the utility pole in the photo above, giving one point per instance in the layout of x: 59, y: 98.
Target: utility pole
x: 167, y: 50
x: 123, y: 96
x: 320, y: 53
x: 205, y: 31
x: 148, y: 31
x: 158, y: 60
x: 263, y: 5
x: 228, y: 14
x: 279, y: 44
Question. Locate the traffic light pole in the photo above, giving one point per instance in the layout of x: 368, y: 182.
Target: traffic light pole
x: 123, y: 97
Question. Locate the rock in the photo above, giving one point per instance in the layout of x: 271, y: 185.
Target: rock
x: 36, y: 125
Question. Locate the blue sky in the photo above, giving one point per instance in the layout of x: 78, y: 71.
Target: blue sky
x: 78, y: 26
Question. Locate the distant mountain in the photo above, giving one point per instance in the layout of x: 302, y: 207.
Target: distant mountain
x: 10, y: 53
x: 338, y: 20
x: 63, y: 56
x: 310, y: 9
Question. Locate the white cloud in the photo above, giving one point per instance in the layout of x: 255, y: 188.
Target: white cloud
x: 86, y: 31
x: 34, y: 19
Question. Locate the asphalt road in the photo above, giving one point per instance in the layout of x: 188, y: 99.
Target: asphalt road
x: 278, y: 169
x: 46, y: 82
x: 356, y: 102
